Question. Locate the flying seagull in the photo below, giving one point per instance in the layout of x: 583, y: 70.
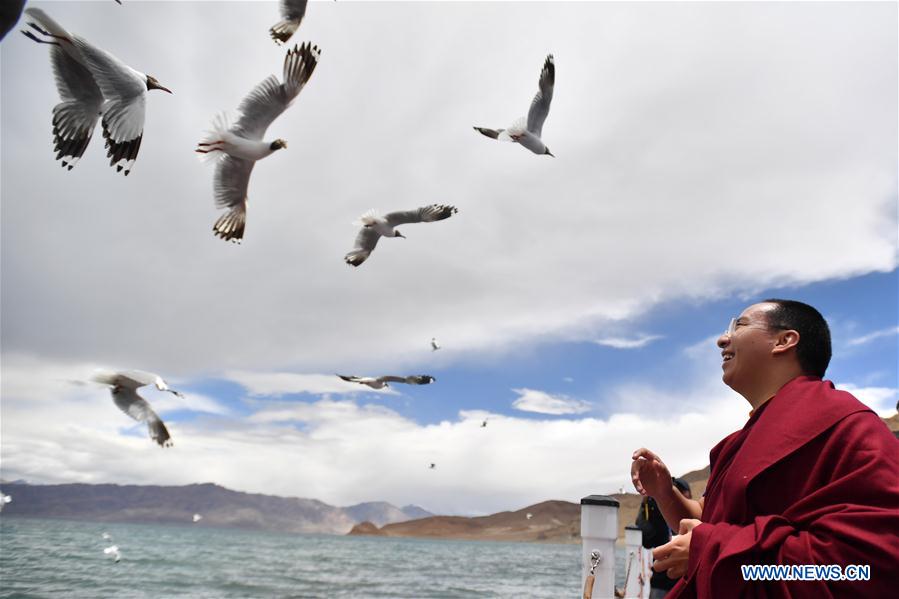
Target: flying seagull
x: 237, y: 147
x: 292, y: 11
x: 4, y: 499
x: 527, y: 132
x: 374, y: 227
x: 124, y: 393
x: 484, y: 424
x: 197, y: 517
x: 92, y: 84
x: 114, y: 552
x: 434, y: 345
x: 432, y: 466
x: 382, y: 381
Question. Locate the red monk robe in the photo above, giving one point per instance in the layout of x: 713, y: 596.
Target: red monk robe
x: 815, y: 480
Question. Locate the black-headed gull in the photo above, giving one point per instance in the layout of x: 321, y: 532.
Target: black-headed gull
x: 527, y: 132
x: 381, y: 382
x: 434, y: 345
x: 237, y: 147
x: 93, y: 83
x: 374, y: 227
x: 292, y: 12
x: 124, y: 393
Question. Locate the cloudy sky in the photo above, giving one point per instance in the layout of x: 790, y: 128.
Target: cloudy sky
x: 708, y: 155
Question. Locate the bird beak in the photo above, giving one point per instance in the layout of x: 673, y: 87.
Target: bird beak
x: 154, y: 85
x: 551, y: 154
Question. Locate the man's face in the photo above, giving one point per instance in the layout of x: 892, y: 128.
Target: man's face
x: 747, y: 351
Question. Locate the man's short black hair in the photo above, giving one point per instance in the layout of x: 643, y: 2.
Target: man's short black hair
x: 813, y: 350
x: 681, y: 484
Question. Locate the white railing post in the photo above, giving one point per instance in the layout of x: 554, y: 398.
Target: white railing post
x: 636, y: 585
x: 599, y: 529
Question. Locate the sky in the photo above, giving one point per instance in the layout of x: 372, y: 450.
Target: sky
x: 708, y: 155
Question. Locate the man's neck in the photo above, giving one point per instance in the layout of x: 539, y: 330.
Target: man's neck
x: 770, y: 387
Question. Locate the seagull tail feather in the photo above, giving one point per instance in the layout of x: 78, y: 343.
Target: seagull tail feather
x: 283, y: 30
x: 206, y: 148
x: 230, y: 226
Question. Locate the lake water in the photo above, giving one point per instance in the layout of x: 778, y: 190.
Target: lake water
x: 44, y: 558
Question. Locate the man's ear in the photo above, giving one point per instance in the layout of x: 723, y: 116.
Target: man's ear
x: 785, y: 341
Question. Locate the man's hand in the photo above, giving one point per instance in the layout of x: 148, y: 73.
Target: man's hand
x: 674, y: 557
x: 649, y: 474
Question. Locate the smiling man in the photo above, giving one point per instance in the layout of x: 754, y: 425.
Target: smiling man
x: 809, y: 484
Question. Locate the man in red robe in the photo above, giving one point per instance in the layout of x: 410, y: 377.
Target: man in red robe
x: 811, y: 479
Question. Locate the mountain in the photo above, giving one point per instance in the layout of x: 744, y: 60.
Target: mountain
x: 176, y: 505
x: 550, y: 521
x: 381, y: 512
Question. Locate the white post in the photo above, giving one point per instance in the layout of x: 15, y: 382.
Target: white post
x: 599, y: 529
x: 635, y: 580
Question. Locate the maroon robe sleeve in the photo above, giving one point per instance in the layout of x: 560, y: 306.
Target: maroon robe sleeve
x: 852, y: 519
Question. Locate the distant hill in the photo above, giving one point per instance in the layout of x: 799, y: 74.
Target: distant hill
x: 381, y: 512
x: 550, y: 521
x: 176, y: 505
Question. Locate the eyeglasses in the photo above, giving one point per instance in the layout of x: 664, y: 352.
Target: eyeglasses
x: 732, y: 327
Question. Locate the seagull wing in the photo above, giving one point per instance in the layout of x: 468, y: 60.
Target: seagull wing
x: 419, y: 379
x: 540, y: 104
x: 232, y: 177
x: 392, y: 379
x: 75, y: 118
x: 293, y: 12
x: 350, y: 379
x: 129, y: 379
x: 138, y: 408
x: 425, y: 214
x: 125, y: 91
x: 270, y: 98
x: 365, y: 244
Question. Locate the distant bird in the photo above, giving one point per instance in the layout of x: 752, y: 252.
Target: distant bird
x: 529, y: 515
x: 434, y: 345
x: 484, y: 424
x: 382, y: 381
x: 197, y: 517
x: 92, y: 84
x: 237, y: 147
x: 4, y: 499
x: 124, y: 394
x: 114, y: 552
x: 293, y: 12
x: 374, y: 227
x: 432, y: 466
x: 527, y: 132
x: 106, y: 536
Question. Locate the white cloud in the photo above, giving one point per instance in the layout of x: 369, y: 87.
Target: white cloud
x: 284, y: 383
x: 624, y: 343
x: 887, y: 332
x: 531, y: 400
x: 690, y: 97
x: 346, y: 451
x: 880, y: 399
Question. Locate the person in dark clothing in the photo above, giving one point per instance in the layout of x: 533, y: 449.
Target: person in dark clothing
x: 656, y: 532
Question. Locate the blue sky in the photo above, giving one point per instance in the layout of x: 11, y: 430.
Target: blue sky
x: 855, y: 308
x: 708, y: 155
